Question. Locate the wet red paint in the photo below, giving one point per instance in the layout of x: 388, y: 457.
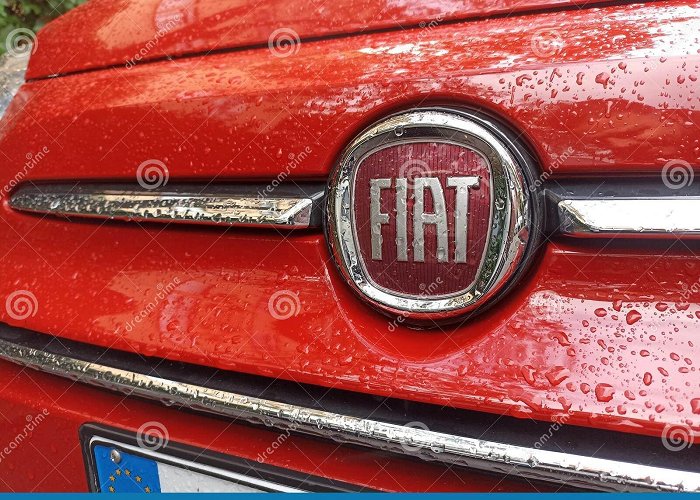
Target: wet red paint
x: 241, y: 115
x: 546, y: 349
x: 130, y: 31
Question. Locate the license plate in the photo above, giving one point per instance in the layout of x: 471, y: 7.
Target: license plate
x: 121, y: 469
x: 118, y: 462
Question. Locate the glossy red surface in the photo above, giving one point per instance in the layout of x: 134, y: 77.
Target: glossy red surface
x: 249, y: 114
x: 605, y: 331
x: 126, y: 31
x: 49, y: 458
x: 431, y: 275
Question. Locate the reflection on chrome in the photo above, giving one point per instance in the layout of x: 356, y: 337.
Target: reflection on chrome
x: 491, y: 456
x: 298, y: 208
x: 217, y: 206
x: 653, y: 217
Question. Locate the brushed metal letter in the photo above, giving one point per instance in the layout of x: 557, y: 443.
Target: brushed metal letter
x: 377, y: 218
x: 420, y: 218
x: 462, y: 185
x: 401, y: 215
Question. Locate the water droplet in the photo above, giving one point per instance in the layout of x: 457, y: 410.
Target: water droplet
x: 633, y: 316
x: 604, y: 392
x: 557, y: 375
x: 603, y: 79
x: 695, y: 405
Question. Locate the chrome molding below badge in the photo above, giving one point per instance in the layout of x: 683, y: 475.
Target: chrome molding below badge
x: 630, y: 217
x: 240, y: 205
x: 490, y: 456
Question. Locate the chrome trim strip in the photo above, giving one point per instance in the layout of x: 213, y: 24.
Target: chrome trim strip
x: 531, y: 463
x: 634, y: 217
x: 244, y: 205
x: 239, y: 206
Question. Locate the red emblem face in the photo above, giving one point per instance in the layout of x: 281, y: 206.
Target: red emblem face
x: 428, y: 214
x: 422, y: 213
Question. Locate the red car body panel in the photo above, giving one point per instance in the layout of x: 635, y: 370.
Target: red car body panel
x: 119, y: 31
x: 584, y: 333
x: 251, y: 110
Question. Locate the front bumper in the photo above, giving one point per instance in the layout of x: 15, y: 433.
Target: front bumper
x: 49, y: 457
x: 70, y: 366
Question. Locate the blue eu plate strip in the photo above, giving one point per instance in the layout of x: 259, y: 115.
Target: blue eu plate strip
x: 133, y: 474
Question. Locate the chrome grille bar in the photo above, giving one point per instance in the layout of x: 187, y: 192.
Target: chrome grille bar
x: 572, y: 470
x: 634, y: 217
x: 227, y: 206
x: 298, y: 207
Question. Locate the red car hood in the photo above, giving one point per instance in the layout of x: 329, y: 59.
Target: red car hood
x: 125, y: 32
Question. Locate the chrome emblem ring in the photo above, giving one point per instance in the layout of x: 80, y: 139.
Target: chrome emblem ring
x: 429, y: 215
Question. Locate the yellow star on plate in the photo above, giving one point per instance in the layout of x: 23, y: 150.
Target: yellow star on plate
x: 147, y: 489
x: 118, y: 472
x: 112, y: 478
x: 138, y: 479
x: 111, y: 489
x: 127, y: 472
